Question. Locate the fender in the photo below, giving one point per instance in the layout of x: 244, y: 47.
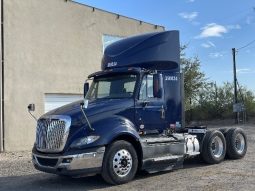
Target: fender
x: 114, y: 127
x: 108, y: 129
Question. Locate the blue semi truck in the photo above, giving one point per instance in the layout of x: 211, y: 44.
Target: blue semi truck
x: 131, y: 118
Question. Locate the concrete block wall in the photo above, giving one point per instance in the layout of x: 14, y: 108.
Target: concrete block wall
x: 50, y: 47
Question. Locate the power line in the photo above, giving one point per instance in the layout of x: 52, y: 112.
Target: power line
x: 246, y: 45
x: 252, y: 47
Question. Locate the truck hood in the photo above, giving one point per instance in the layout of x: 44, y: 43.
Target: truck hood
x: 111, y: 114
x: 95, y: 107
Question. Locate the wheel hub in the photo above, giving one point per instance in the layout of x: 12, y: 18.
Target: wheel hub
x: 217, y: 147
x: 122, y: 162
x: 239, y: 143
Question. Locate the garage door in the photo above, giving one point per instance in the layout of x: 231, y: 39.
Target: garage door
x: 53, y: 101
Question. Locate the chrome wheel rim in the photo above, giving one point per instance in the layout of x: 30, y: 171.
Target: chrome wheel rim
x: 122, y: 162
x: 217, y: 147
x: 240, y: 143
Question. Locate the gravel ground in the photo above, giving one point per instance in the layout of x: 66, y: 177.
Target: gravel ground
x: 17, y: 173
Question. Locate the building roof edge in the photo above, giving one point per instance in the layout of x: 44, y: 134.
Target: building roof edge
x: 82, y: 4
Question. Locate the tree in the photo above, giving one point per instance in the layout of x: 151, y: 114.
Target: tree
x: 248, y: 98
x: 194, y: 79
x: 204, y: 99
x: 216, y: 102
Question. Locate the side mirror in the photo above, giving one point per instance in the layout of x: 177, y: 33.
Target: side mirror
x: 157, y: 85
x: 85, y: 89
x: 31, y: 107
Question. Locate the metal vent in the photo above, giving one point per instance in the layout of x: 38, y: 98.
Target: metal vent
x: 52, y: 133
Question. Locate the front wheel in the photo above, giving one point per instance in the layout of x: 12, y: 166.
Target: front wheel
x: 120, y: 163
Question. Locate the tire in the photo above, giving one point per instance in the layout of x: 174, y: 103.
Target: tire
x: 214, y: 147
x: 120, y: 163
x: 236, y: 143
x: 224, y: 131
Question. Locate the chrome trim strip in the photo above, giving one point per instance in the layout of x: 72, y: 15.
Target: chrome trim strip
x: 78, y: 162
x: 197, y: 131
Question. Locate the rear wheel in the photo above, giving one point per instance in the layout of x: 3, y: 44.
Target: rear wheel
x: 224, y: 131
x: 214, y: 147
x: 120, y: 163
x: 236, y: 143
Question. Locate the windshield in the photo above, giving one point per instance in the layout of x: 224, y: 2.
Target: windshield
x: 113, y: 87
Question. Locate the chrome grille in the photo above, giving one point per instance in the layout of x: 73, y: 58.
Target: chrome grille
x: 52, y: 133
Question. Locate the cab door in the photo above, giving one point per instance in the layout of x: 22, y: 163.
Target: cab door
x: 150, y: 106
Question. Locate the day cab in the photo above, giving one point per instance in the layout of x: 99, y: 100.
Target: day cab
x: 131, y: 118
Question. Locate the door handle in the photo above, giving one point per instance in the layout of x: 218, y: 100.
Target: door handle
x: 145, y: 103
x: 163, y: 113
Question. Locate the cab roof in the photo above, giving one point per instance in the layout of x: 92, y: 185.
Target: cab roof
x: 157, y: 51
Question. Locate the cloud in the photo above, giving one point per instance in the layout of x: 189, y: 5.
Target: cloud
x: 191, y: 1
x: 188, y: 16
x: 241, y: 71
x: 216, y: 55
x: 245, y: 71
x: 231, y: 27
x: 205, y: 45
x: 212, y: 30
x: 208, y: 44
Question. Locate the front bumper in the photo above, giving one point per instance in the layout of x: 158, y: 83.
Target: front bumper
x: 76, y: 164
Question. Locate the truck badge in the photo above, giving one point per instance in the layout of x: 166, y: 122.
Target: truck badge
x: 111, y: 64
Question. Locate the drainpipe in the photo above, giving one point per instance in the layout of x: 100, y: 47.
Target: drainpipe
x: 2, y: 81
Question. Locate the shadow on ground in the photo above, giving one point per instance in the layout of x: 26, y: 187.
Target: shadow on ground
x: 43, y: 181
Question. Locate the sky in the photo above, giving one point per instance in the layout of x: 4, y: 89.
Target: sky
x: 209, y: 28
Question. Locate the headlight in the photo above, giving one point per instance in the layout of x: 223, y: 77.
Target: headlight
x: 84, y: 141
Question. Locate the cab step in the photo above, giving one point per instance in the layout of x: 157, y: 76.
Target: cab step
x: 163, y: 163
x: 167, y: 158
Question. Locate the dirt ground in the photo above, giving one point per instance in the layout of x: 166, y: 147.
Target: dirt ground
x: 17, y: 173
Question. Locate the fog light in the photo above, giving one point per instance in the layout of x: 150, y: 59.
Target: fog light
x: 67, y: 160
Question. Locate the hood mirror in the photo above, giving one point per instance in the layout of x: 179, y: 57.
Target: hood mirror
x: 31, y: 108
x: 86, y: 103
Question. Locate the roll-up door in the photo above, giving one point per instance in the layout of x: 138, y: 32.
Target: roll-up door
x: 53, y: 101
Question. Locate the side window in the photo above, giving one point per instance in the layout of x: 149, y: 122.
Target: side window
x: 129, y: 86
x: 146, y: 90
x: 103, y: 89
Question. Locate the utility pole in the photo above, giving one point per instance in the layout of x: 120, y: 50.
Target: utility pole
x: 235, y: 83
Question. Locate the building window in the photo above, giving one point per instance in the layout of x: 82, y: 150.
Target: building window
x: 109, y: 39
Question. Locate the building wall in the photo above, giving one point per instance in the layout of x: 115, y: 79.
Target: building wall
x: 50, y: 47
x: 1, y: 121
